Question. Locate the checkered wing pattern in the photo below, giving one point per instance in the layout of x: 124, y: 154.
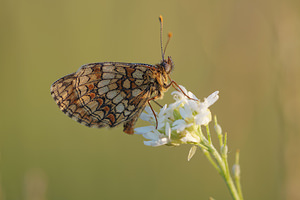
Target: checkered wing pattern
x: 105, y: 94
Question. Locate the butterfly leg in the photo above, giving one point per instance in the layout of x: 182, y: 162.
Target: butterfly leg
x: 176, y: 86
x: 153, y: 98
x: 158, y: 104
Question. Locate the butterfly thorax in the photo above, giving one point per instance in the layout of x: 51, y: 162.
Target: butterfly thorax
x: 161, y: 74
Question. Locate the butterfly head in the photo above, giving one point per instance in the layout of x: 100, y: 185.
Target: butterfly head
x: 168, y: 65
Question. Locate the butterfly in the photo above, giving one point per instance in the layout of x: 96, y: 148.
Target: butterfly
x: 107, y: 94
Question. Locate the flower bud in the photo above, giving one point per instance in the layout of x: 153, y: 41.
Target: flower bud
x: 236, y: 170
x: 224, y: 149
x: 218, y: 129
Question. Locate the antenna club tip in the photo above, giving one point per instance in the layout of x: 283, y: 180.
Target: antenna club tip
x: 170, y: 34
x: 160, y: 18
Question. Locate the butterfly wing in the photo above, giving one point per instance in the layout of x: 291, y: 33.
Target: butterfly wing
x: 105, y: 94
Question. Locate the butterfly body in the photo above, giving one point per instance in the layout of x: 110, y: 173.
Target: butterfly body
x: 110, y: 93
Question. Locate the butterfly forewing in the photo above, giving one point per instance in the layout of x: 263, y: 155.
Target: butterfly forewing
x: 105, y: 94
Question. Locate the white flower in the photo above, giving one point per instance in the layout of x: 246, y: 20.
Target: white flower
x: 179, y: 122
x: 154, y: 136
x: 189, y: 138
x: 180, y: 125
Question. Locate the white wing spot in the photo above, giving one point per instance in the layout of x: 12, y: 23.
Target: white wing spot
x: 85, y: 71
x: 139, y: 82
x: 118, y: 76
x: 131, y: 107
x: 112, y: 86
x: 112, y: 94
x: 82, y: 89
x: 83, y: 79
x: 126, y: 84
x: 103, y: 90
x: 108, y: 68
x: 103, y: 83
x: 123, y: 94
x: 121, y: 70
x: 127, y: 112
x: 137, y: 74
x: 108, y: 76
x: 117, y: 99
x: 120, y: 108
x: 136, y: 92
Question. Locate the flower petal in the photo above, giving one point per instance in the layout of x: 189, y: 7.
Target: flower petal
x: 145, y: 117
x: 168, y: 130
x: 156, y: 143
x: 179, y: 125
x: 203, y: 118
x: 144, y: 129
x: 152, y: 135
x: 211, y: 99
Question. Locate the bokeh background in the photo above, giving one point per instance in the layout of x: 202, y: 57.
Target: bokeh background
x: 248, y: 50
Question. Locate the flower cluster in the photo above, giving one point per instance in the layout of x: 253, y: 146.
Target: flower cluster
x: 179, y: 122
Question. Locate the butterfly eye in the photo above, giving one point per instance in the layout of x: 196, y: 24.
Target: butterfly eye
x: 169, y: 65
x: 168, y: 68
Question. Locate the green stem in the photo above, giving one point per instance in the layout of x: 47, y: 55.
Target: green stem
x: 239, y: 187
x: 208, y: 134
x: 225, y: 173
x: 211, y: 160
x: 232, y: 188
x: 220, y: 136
x: 221, y: 165
x: 237, y: 175
x: 220, y: 162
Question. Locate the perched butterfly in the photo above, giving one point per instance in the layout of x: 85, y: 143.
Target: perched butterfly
x: 110, y: 93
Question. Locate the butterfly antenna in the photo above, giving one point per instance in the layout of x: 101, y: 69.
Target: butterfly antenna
x: 161, y: 33
x: 169, y: 37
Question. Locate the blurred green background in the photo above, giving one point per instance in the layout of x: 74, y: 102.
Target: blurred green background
x: 248, y: 50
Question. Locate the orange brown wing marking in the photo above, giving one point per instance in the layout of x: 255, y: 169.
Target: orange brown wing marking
x: 96, y: 68
x: 119, y: 84
x: 106, y: 109
x: 91, y: 86
x: 133, y: 85
x: 129, y: 71
x: 98, y: 76
x: 128, y: 94
x: 111, y: 118
x: 92, y: 95
x: 100, y: 101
